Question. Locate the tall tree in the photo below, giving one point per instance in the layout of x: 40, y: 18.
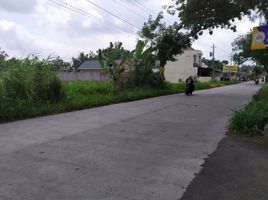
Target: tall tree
x: 257, y: 70
x: 165, y: 41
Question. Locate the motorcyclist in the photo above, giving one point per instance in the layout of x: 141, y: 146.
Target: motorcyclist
x: 189, y: 85
x: 256, y: 80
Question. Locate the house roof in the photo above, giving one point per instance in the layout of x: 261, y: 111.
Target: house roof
x: 90, y: 64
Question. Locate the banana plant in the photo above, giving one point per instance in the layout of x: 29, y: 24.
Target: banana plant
x: 113, y: 60
x: 143, y: 61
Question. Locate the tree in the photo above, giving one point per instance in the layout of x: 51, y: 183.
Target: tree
x: 3, y: 57
x: 213, y: 64
x: 143, y: 61
x: 225, y: 62
x: 165, y: 41
x: 257, y: 70
x: 243, y: 52
x: 199, y: 15
x: 246, y: 68
x: 59, y: 64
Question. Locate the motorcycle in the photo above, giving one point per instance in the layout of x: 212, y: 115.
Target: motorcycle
x: 256, y: 81
x: 189, y: 89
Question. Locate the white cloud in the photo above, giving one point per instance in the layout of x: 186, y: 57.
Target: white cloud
x: 21, y: 6
x: 48, y: 15
x: 14, y: 37
x: 222, y: 38
x: 87, y: 23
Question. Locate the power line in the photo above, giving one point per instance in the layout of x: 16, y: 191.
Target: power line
x: 86, y: 14
x: 141, y: 7
x: 112, y: 14
x: 145, y: 8
x: 123, y: 6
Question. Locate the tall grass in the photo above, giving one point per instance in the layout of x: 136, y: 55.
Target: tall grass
x: 251, y: 119
x: 39, y: 98
x: 26, y: 86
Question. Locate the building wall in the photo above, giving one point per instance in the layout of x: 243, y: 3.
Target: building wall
x: 82, y: 75
x: 182, y: 68
x: 204, y: 79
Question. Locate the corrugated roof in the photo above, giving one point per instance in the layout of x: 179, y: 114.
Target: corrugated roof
x: 90, y: 64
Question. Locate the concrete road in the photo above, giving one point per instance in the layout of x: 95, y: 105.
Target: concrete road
x: 237, y: 170
x: 144, y: 150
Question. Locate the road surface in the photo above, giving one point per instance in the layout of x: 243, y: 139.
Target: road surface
x: 143, y: 150
x: 237, y: 170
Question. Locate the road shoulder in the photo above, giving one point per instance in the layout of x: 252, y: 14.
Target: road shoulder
x: 238, y: 169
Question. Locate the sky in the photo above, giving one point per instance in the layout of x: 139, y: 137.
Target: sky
x: 66, y: 27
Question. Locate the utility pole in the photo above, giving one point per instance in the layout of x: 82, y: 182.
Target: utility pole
x: 213, y: 59
x: 213, y: 52
x: 231, y: 59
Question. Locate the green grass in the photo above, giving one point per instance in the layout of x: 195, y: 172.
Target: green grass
x: 251, y: 119
x: 78, y: 95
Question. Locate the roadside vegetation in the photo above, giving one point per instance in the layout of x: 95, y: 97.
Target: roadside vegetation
x: 30, y: 87
x: 251, y: 119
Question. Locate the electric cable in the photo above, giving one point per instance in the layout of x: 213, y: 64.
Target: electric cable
x: 86, y: 14
x: 114, y: 15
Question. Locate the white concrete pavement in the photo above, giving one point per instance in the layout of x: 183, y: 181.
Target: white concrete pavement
x: 148, y: 149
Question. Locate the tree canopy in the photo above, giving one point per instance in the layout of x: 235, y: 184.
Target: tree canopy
x: 166, y: 41
x: 199, y: 15
x: 243, y: 52
x: 215, y: 64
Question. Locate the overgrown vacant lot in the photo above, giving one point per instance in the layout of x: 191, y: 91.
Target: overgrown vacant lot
x: 30, y: 88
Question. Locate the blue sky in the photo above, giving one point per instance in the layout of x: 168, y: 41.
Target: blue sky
x: 45, y: 27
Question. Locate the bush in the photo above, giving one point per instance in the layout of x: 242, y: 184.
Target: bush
x: 262, y: 94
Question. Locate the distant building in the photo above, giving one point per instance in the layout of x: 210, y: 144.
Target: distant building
x: 88, y: 70
x: 187, y: 64
x: 90, y: 65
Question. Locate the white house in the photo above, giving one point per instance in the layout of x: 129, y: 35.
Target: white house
x: 187, y: 64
